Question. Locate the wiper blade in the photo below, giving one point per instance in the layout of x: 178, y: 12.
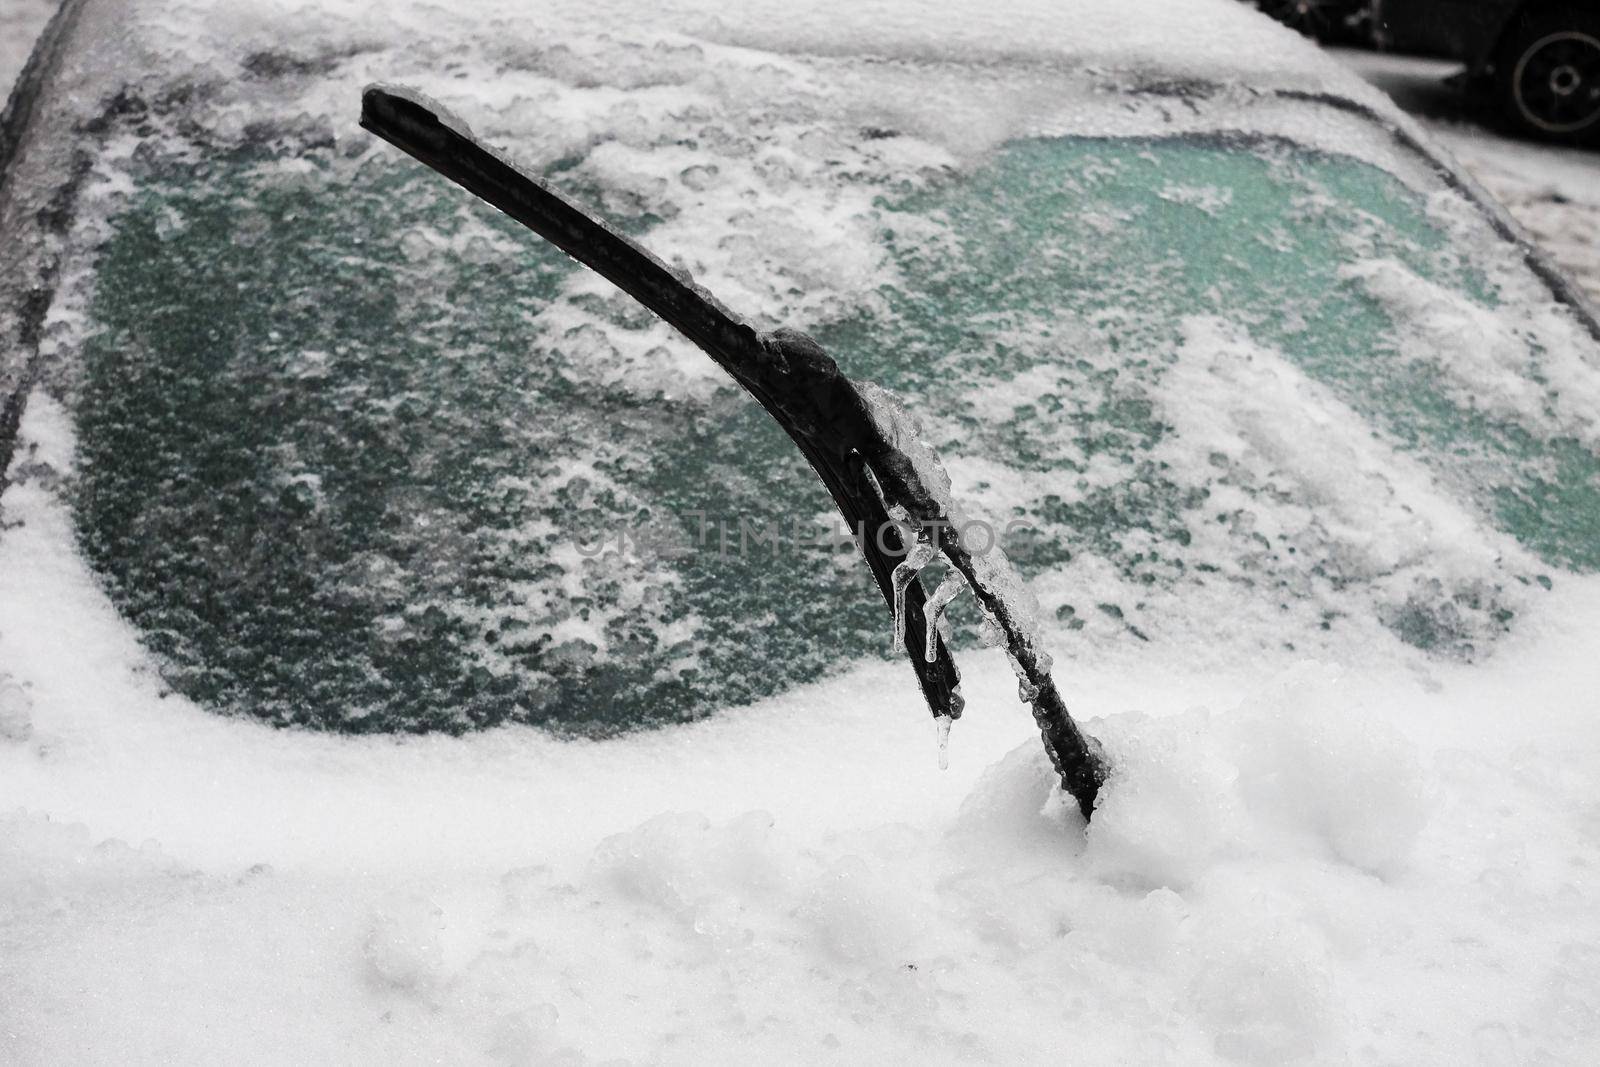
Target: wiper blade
x: 886, y: 483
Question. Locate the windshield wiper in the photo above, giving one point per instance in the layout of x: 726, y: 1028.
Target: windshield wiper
x: 885, y: 480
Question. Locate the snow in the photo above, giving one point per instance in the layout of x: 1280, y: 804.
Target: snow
x: 1552, y: 192
x: 1483, y: 358
x: 1388, y: 864
x: 1370, y: 512
x: 1359, y: 852
x: 20, y: 23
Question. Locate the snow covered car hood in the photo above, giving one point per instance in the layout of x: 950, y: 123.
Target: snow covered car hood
x: 1275, y: 399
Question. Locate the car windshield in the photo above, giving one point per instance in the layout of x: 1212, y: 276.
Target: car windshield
x: 357, y: 453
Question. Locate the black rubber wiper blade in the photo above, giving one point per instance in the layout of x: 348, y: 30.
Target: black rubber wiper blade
x: 876, y: 471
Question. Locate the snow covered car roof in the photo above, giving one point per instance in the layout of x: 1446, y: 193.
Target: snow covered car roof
x: 1256, y: 385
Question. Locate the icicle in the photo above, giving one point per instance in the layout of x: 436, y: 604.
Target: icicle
x: 942, y: 724
x: 919, y: 557
x: 933, y: 610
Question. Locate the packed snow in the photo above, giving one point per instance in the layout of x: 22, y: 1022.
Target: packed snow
x: 1322, y: 842
x: 1294, y: 860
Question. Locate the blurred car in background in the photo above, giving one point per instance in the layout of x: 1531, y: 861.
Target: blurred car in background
x: 1329, y: 21
x: 1540, y: 58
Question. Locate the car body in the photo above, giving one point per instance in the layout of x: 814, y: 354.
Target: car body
x: 392, y: 573
x: 1541, y: 58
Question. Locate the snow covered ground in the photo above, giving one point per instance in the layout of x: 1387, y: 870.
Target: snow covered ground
x: 1359, y: 853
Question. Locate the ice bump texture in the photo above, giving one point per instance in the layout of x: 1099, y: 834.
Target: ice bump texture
x: 344, y: 432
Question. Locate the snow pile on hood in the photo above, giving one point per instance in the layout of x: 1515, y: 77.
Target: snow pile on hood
x: 1212, y: 39
x: 1385, y: 866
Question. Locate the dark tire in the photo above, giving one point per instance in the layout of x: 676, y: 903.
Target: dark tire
x: 1328, y: 21
x: 1548, y: 75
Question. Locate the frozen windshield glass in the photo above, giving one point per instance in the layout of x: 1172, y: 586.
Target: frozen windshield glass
x: 356, y: 452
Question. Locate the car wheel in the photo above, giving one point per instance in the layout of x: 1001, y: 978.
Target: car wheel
x: 1321, y: 20
x: 1549, y: 75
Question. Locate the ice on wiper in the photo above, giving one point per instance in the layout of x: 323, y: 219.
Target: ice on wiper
x: 911, y: 478
x: 1027, y: 692
x: 950, y: 587
x: 919, y: 557
x: 989, y: 633
x: 867, y: 449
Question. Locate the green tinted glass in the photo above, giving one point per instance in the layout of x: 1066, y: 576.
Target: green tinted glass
x: 345, y: 464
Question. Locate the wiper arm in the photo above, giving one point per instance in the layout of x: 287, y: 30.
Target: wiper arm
x: 883, y: 479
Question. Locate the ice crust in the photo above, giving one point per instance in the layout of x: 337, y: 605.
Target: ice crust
x: 802, y: 182
x: 1320, y: 844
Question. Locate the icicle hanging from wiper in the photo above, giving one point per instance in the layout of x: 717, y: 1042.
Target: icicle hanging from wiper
x: 952, y: 586
x: 905, y: 576
x: 859, y: 440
